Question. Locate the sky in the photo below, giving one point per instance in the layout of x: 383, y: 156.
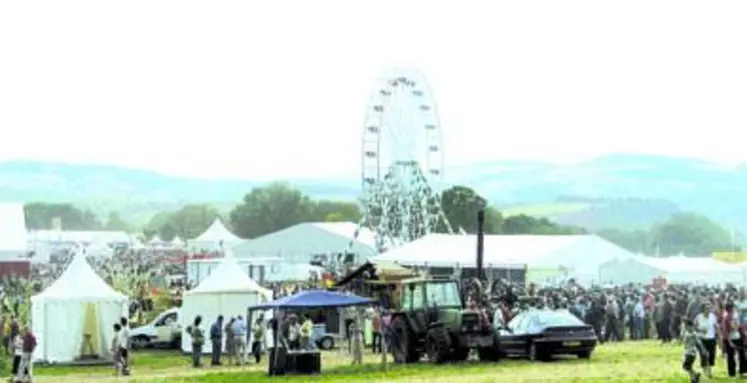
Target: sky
x: 276, y: 89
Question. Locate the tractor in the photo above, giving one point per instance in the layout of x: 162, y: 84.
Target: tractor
x: 431, y: 319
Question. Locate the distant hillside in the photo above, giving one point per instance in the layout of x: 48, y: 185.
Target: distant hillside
x: 622, y: 190
x: 138, y: 194
x: 598, y: 213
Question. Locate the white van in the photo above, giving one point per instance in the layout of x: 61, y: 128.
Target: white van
x: 164, y: 331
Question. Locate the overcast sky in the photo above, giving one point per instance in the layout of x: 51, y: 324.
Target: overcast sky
x: 275, y: 89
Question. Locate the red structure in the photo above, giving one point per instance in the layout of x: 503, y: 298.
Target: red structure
x: 15, y: 268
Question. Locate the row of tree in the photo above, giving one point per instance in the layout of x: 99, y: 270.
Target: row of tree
x: 682, y: 233
x: 279, y: 205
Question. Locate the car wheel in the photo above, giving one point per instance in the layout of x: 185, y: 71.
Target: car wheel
x: 327, y: 343
x: 584, y: 355
x: 532, y: 353
x: 140, y: 342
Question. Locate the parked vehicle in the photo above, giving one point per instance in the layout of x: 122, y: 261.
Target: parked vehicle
x: 541, y: 334
x: 164, y: 331
x: 432, y: 320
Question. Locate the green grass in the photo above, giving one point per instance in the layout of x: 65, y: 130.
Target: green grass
x: 148, y: 362
x: 620, y: 363
x: 544, y: 210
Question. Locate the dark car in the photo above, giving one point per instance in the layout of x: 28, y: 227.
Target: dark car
x: 541, y: 334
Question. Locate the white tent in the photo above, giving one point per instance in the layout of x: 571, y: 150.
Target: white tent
x: 634, y: 270
x: 227, y: 291
x: 77, y: 305
x: 215, y: 237
x: 13, y: 234
x: 681, y: 269
x: 545, y: 256
x: 447, y: 250
x: 177, y: 242
x: 300, y: 242
x: 156, y: 241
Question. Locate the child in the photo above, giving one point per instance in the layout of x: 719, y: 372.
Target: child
x: 693, y: 347
x: 17, y: 346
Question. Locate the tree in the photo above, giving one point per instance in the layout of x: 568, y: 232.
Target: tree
x: 115, y: 223
x: 39, y: 216
x: 271, y: 208
x: 187, y: 222
x: 461, y: 205
x: 637, y: 241
x: 689, y: 234
x: 336, y: 211
x: 524, y: 224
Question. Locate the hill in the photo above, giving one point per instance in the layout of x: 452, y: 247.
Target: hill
x: 137, y: 194
x: 622, y: 190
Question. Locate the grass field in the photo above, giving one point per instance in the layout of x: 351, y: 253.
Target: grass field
x: 624, y: 362
x: 544, y: 210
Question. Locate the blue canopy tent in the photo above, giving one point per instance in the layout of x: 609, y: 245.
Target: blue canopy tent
x: 314, y: 299
x: 311, y: 299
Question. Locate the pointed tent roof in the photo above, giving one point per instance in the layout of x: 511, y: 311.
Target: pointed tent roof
x: 217, y: 232
x: 228, y: 277
x: 176, y: 241
x: 79, y: 281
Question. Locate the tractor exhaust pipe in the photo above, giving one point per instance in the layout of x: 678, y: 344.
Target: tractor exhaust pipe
x: 480, y: 244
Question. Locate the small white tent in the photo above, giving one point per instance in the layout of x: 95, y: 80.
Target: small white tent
x: 177, y: 242
x: 74, y: 316
x: 215, y: 237
x: 227, y: 291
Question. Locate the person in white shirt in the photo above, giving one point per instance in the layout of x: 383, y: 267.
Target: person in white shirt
x: 639, y: 319
x: 124, y: 346
x: 707, y: 327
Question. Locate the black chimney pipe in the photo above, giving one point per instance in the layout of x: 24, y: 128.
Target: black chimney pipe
x: 480, y: 244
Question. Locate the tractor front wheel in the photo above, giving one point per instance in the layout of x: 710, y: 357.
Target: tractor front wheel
x: 437, y: 345
x: 403, y: 342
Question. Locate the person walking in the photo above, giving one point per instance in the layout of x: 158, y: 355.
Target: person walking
x: 124, y: 346
x: 115, y: 349
x: 706, y: 326
x: 258, y: 338
x: 216, y: 341
x: 17, y: 348
x: 230, y: 347
x: 639, y: 319
x: 198, y: 340
x: 376, y: 330
x: 29, y: 346
x: 730, y: 337
x: 239, y: 340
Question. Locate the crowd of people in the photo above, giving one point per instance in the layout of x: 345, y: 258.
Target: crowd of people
x: 703, y: 318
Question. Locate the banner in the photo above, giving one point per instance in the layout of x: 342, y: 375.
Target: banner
x: 730, y: 256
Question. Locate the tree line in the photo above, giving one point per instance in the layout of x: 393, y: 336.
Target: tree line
x: 279, y: 205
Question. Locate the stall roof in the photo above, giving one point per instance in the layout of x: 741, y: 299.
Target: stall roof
x: 315, y: 299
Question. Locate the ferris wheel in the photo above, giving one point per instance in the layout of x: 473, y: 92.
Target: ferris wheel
x: 402, y: 160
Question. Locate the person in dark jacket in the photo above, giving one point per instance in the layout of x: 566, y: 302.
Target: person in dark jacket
x: 216, y: 340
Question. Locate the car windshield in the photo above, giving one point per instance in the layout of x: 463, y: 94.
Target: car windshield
x: 443, y: 294
x: 557, y: 318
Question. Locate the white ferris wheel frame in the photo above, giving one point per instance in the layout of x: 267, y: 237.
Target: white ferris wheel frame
x: 373, y: 170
